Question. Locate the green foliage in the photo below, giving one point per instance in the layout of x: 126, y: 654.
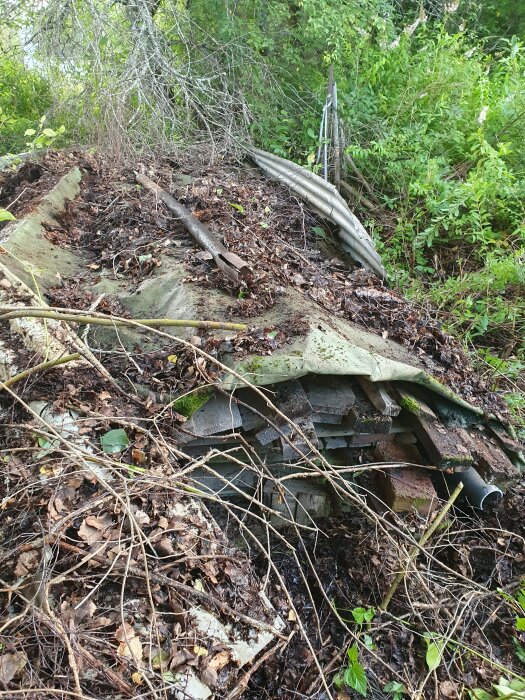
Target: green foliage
x: 440, y: 137
x: 6, y: 215
x: 191, y: 402
x: 435, y: 649
x: 362, y: 615
x: 512, y: 690
x: 353, y: 674
x: 396, y: 690
x: 24, y: 97
x: 43, y: 137
x: 114, y: 441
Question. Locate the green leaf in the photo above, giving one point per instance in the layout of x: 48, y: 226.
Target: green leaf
x: 311, y: 133
x: 355, y: 678
x: 359, y: 615
x: 368, y: 641
x: 29, y: 132
x: 370, y: 614
x: 520, y: 650
x: 114, y: 441
x: 479, y: 694
x: 433, y: 656
x: 318, y: 231
x: 239, y: 207
x: 337, y: 680
x: 395, y: 687
x: 520, y: 624
x: 6, y: 215
x: 49, y: 133
x: 353, y: 654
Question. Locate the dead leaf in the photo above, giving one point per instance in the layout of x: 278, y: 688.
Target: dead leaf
x: 27, y: 563
x: 11, y: 665
x: 138, y: 456
x: 165, y: 547
x: 141, y: 517
x: 131, y: 649
x: 449, y: 689
x: 292, y: 617
x: 220, y: 660
x: 88, y: 533
x: 180, y: 658
x: 136, y: 678
x: 124, y: 632
x: 209, y: 677
x: 100, y: 522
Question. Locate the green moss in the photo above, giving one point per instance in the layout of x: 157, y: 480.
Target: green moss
x: 254, y: 364
x: 410, y: 404
x: 188, y: 404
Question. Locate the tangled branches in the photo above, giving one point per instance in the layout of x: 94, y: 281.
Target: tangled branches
x: 144, y: 74
x: 108, y: 563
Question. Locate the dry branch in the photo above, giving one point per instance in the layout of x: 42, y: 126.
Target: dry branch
x: 230, y: 264
x: 424, y: 539
x: 41, y: 368
x: 183, y: 588
x: 7, y: 313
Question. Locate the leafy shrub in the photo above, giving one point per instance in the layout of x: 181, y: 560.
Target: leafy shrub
x: 24, y: 97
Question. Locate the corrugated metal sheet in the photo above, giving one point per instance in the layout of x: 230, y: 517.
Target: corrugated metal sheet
x: 326, y: 200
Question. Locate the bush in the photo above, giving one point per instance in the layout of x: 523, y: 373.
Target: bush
x: 24, y: 97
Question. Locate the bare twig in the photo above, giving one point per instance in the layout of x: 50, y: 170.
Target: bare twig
x: 41, y: 368
x: 424, y: 539
x: 230, y: 264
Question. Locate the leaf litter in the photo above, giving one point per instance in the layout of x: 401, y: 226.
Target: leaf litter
x: 117, y: 545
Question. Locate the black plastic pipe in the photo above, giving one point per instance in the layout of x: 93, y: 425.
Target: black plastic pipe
x: 476, y: 491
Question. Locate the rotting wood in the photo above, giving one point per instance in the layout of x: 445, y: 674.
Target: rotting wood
x: 443, y: 445
x: 228, y: 263
x: 379, y: 396
x: 363, y: 417
x: 492, y: 462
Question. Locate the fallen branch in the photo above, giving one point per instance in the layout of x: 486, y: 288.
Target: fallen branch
x: 7, y: 313
x: 40, y: 368
x: 416, y: 548
x: 104, y: 668
x: 230, y: 264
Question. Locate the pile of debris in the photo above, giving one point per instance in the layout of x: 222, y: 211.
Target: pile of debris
x: 121, y: 439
